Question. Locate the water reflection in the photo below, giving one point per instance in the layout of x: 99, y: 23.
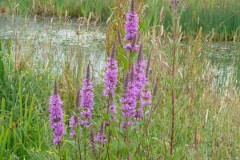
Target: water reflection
x: 49, y: 39
x: 225, y: 57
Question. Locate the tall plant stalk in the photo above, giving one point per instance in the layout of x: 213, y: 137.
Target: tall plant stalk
x: 175, y: 29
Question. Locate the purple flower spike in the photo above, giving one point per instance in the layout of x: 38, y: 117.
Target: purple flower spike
x: 113, y: 108
x: 146, y: 96
x: 129, y: 100
x: 101, y: 136
x: 73, y: 122
x: 113, y: 111
x: 145, y: 93
x: 139, y: 71
x: 87, y: 101
x: 125, y: 125
x: 145, y: 101
x: 131, y: 29
x: 86, y: 114
x: 85, y: 123
x: 131, y: 26
x: 131, y: 47
x: 56, y: 116
x: 87, y: 95
x: 111, y: 74
x: 139, y: 113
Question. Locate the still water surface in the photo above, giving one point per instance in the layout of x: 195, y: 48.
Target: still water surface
x: 80, y: 43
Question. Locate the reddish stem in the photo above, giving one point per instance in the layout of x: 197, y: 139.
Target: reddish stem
x: 175, y: 38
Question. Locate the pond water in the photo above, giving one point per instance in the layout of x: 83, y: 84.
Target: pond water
x: 78, y: 43
x: 225, y: 57
x: 48, y: 38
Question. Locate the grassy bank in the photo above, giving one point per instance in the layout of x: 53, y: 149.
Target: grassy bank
x: 220, y: 19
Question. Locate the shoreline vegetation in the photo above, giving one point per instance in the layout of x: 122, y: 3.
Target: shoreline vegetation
x: 218, y: 19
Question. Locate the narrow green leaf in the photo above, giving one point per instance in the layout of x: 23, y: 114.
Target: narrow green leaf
x: 20, y: 100
x: 3, y: 107
x: 2, y: 71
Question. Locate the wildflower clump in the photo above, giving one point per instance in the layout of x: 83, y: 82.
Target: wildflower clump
x: 87, y: 101
x: 73, y: 122
x: 111, y: 74
x: 56, y: 117
x: 129, y: 100
x: 139, y: 71
x: 131, y: 29
x: 101, y: 136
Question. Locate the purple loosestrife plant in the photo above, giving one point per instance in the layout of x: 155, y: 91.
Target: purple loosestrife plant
x: 113, y: 111
x: 145, y: 93
x: 146, y: 96
x: 101, y: 136
x: 129, y: 100
x: 74, y: 119
x: 145, y: 100
x: 87, y: 101
x: 111, y: 74
x: 139, y: 71
x: 110, y: 83
x: 56, y: 117
x: 73, y: 122
x: 131, y: 29
x: 131, y: 47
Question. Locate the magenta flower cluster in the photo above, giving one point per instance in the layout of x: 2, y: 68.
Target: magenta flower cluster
x: 111, y: 74
x: 134, y: 100
x: 131, y: 26
x: 113, y: 111
x: 100, y: 138
x: 73, y: 123
x: 136, y: 89
x: 129, y: 100
x: 87, y: 101
x: 131, y: 29
x: 56, y: 117
x: 142, y: 84
x: 145, y: 100
x: 146, y: 96
x: 139, y: 71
